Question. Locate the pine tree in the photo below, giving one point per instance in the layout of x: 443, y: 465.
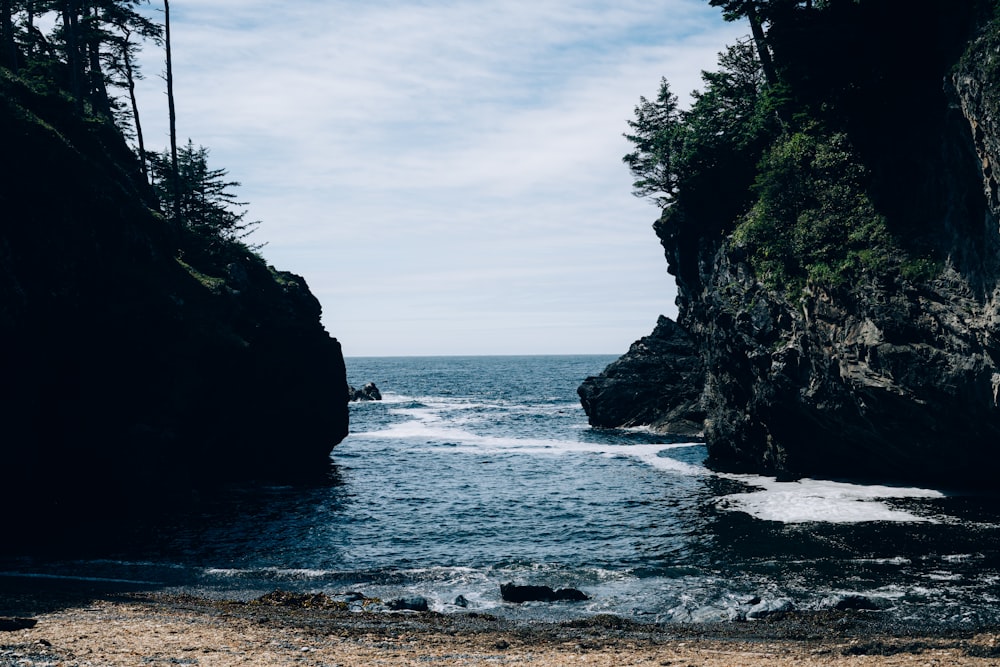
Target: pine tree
x: 173, y: 115
x: 655, y: 136
x: 206, y: 204
x: 755, y: 12
x: 127, y: 25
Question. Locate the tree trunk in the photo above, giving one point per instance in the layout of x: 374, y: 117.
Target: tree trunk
x: 8, y: 49
x: 760, y: 41
x: 72, y: 29
x: 98, y: 87
x: 130, y: 79
x: 173, y: 116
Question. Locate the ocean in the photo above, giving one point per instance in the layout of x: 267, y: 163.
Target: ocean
x: 476, y: 471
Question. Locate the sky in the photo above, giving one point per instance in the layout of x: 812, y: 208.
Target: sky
x: 445, y: 174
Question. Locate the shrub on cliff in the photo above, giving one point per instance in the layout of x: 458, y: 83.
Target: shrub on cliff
x: 801, y: 167
x: 813, y: 220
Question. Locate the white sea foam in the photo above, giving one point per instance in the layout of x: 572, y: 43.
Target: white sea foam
x: 895, y: 560
x: 436, y: 419
x: 428, y: 424
x: 810, y: 500
x: 961, y: 558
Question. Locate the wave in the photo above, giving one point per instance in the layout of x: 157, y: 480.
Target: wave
x: 438, y: 421
x: 76, y: 577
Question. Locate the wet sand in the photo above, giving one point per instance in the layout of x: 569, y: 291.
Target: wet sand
x: 129, y: 628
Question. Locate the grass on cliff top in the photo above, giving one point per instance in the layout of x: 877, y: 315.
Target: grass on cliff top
x: 211, y: 283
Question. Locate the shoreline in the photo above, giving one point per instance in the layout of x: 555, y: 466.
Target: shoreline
x: 78, y: 628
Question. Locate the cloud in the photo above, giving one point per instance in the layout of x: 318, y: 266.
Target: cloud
x: 443, y: 162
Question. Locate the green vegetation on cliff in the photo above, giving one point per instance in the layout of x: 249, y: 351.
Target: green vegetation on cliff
x: 831, y: 208
x: 805, y: 148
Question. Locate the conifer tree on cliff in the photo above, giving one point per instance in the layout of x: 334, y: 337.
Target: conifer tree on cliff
x: 755, y: 12
x: 120, y: 58
x: 69, y: 10
x: 208, y: 209
x: 90, y: 34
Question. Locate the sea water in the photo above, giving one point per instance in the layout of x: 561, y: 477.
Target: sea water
x: 476, y: 471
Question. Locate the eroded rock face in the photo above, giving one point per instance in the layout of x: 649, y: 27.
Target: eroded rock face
x: 657, y: 383
x: 137, y: 375
x: 885, y: 378
x: 889, y: 377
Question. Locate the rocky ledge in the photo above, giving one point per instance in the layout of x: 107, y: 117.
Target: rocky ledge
x: 657, y: 383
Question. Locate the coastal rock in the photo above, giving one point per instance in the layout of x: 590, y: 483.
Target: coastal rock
x: 769, y: 608
x: 367, y: 392
x: 137, y: 374
x: 893, y: 374
x: 849, y: 602
x: 416, y: 603
x: 511, y: 592
x: 657, y: 383
x: 15, y: 623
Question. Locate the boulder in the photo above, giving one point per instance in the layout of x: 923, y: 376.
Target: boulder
x: 415, y: 603
x: 511, y: 592
x: 767, y: 608
x: 850, y: 602
x: 13, y: 623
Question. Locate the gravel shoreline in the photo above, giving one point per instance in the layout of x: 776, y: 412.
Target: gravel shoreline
x: 142, y: 628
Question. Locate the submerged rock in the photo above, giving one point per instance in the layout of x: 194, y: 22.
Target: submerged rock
x: 850, y: 602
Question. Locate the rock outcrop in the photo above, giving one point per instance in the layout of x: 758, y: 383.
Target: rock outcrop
x: 367, y: 392
x: 511, y: 592
x: 135, y: 376
x: 893, y: 375
x: 657, y: 383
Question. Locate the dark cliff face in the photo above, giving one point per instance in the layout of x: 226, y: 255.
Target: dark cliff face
x: 657, y: 383
x: 132, y: 375
x: 887, y: 376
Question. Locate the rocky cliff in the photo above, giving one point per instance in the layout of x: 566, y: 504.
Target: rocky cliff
x: 657, y: 383
x: 894, y: 372
x: 135, y: 375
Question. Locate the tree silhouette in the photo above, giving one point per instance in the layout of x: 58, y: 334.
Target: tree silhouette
x: 205, y: 203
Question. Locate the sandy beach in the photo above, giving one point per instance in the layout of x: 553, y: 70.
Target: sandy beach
x: 130, y: 629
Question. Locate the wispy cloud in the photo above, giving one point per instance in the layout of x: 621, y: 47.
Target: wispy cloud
x: 452, y: 165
